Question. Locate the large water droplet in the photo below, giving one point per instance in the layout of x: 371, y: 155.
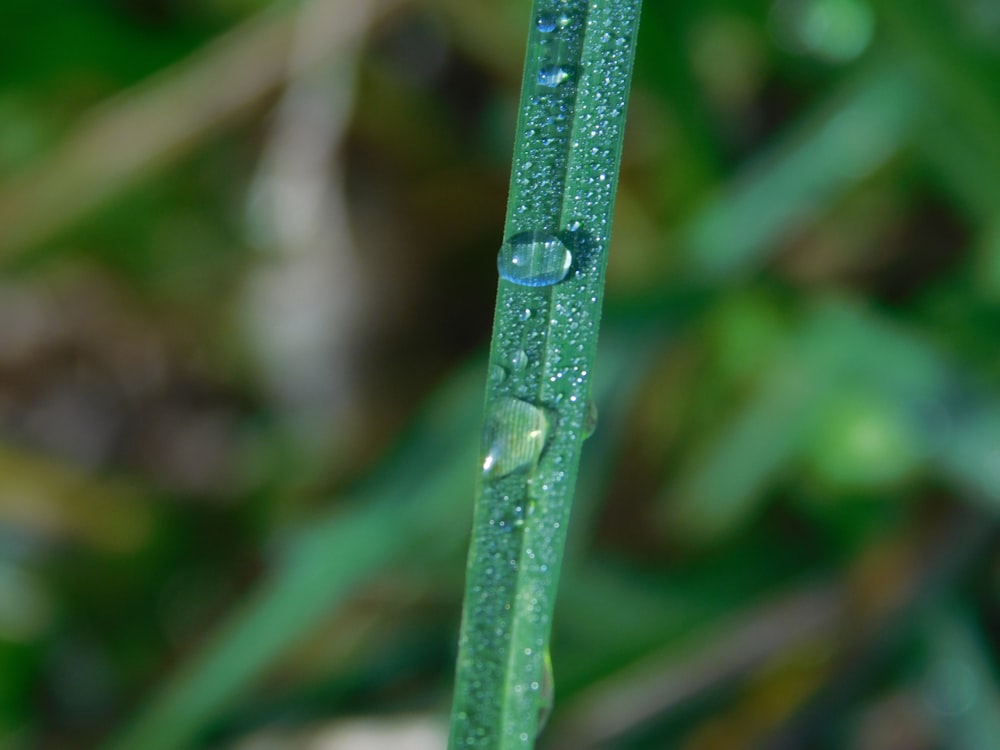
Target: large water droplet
x: 552, y: 76
x: 497, y: 374
x: 546, y: 23
x: 513, y: 437
x: 534, y: 259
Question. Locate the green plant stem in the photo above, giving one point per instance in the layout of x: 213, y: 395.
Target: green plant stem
x: 566, y: 161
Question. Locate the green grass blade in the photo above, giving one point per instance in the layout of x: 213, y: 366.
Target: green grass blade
x: 566, y: 160
x: 333, y: 560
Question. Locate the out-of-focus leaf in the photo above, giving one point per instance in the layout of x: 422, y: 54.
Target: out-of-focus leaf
x: 325, y: 566
x: 961, y: 682
x: 853, y: 134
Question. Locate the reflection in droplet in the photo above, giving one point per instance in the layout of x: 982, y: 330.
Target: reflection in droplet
x: 552, y: 76
x: 513, y: 437
x: 546, y: 23
x: 534, y: 259
x: 497, y: 374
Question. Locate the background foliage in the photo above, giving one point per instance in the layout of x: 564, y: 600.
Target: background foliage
x: 248, y: 265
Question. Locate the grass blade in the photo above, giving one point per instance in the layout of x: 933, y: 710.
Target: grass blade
x: 567, y: 154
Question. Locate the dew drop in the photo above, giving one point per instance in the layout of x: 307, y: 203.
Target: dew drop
x: 497, y: 374
x: 590, y: 421
x: 546, y: 693
x: 513, y: 437
x: 534, y: 259
x: 552, y: 76
x: 546, y: 23
x: 519, y: 360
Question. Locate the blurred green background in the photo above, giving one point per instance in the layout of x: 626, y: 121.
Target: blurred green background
x: 248, y: 257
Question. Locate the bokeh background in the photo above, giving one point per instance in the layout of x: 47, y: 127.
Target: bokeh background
x: 248, y: 268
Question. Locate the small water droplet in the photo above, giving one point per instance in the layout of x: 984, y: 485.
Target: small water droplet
x: 590, y: 421
x: 552, y: 76
x: 513, y: 437
x: 546, y: 693
x: 519, y: 360
x: 534, y: 259
x: 546, y: 23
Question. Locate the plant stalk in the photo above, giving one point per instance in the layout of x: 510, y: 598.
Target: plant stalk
x: 538, y: 403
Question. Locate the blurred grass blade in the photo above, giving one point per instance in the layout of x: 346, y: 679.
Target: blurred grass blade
x: 838, y: 348
x: 962, y: 116
x: 568, y: 150
x: 910, y: 371
x: 961, y: 684
x: 324, y: 567
x: 145, y: 128
x: 851, y: 136
x: 723, y: 488
x: 673, y: 675
x: 965, y: 85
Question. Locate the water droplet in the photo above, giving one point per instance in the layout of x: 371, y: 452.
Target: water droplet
x: 546, y: 693
x: 519, y: 360
x: 552, y: 76
x: 534, y: 259
x: 590, y: 421
x: 497, y: 374
x: 513, y: 437
x: 546, y: 23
